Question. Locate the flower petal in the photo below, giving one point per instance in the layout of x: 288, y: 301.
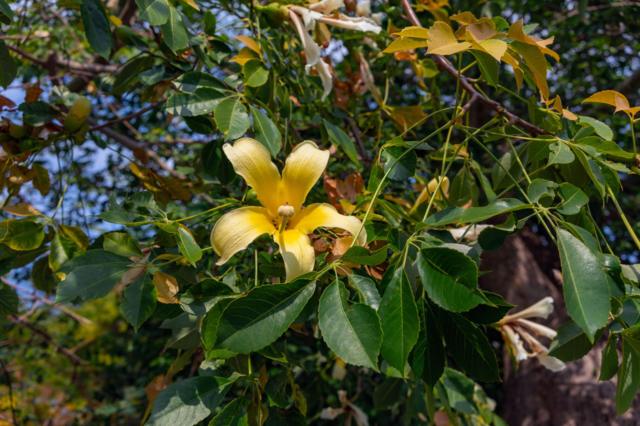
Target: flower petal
x: 235, y: 230
x: 551, y: 363
x: 297, y: 252
x: 325, y: 215
x: 252, y: 161
x: 302, y: 170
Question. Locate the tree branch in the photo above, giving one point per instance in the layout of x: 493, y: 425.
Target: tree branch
x: 40, y: 332
x: 444, y: 64
x: 52, y: 63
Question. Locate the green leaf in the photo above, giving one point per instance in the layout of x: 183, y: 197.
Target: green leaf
x: 540, y: 189
x: 191, y: 81
x: 609, y: 363
x: 23, y: 235
x: 628, y: 377
x: 155, y: 12
x: 231, y: 118
x: 573, y: 199
x: 211, y: 323
x: 608, y: 148
x: 256, y: 320
x: 450, y: 278
x: 174, y: 32
x: 475, y: 214
x: 489, y: 67
x: 121, y: 243
x: 232, y: 414
x: 470, y: 348
x: 255, y: 74
x: 353, y: 332
x: 130, y: 73
x: 399, y: 162
x: 339, y: 138
x: 91, y: 275
x: 96, y: 27
x: 202, y: 101
x: 63, y: 248
x: 600, y: 128
x: 216, y: 165
x: 187, y: 402
x: 366, y: 288
x: 267, y: 132
x: 428, y: 357
x: 399, y: 319
x: 570, y: 344
x: 9, y: 68
x: 36, y: 113
x: 138, y: 301
x: 362, y: 256
x: 560, y: 153
x: 9, y: 301
x: 6, y: 14
x: 188, y: 245
x: 586, y: 290
x: 459, y: 391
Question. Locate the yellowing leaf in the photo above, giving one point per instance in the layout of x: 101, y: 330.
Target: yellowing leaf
x: 442, y: 41
x: 191, y: 3
x: 610, y: 97
x: 537, y: 65
x: 432, y: 5
x: 483, y: 29
x: 22, y: 209
x: 464, y: 18
x: 517, y: 71
x: 115, y: 20
x: 250, y: 43
x: 516, y: 32
x: 493, y: 47
x: 245, y: 55
x: 166, y: 287
x: 415, y: 32
x: 406, y: 116
x: 405, y: 44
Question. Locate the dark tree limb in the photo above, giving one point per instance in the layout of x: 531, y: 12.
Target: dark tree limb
x: 445, y: 65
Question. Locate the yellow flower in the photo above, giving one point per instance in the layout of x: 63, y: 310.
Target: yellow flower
x: 282, y: 214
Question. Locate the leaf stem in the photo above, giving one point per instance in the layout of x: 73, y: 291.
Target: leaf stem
x: 623, y: 216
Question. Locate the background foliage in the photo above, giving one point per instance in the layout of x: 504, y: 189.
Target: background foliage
x: 114, y: 114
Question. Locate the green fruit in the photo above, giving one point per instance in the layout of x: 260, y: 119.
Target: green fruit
x: 78, y: 114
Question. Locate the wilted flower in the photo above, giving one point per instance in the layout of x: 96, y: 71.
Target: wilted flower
x: 282, y: 214
x: 304, y: 20
x: 517, y: 331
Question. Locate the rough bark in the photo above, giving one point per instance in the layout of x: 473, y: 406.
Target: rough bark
x: 523, y: 270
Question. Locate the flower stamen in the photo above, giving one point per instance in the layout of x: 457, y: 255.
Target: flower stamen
x: 285, y: 211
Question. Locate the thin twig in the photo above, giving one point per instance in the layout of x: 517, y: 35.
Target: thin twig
x: 40, y: 332
x: 126, y: 117
x: 52, y: 63
x: 444, y: 64
x: 65, y: 310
